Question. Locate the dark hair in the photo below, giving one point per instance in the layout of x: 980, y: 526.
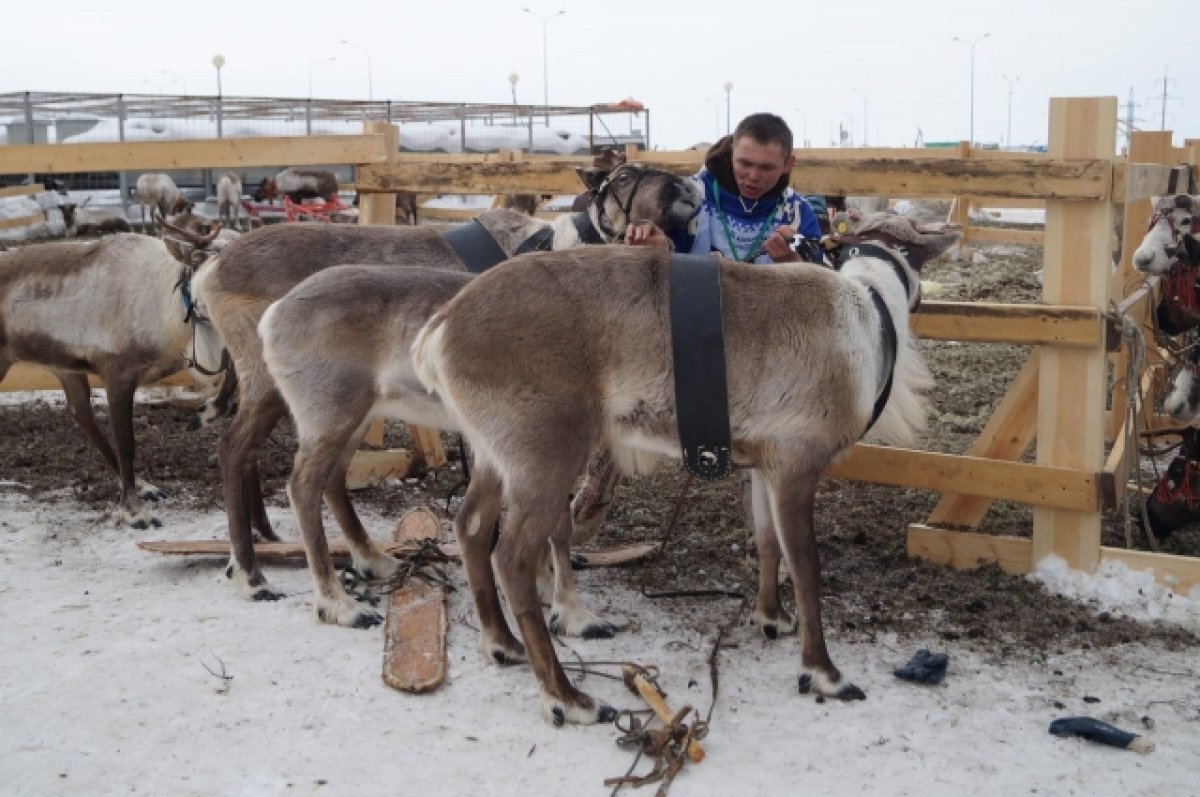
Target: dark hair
x: 766, y: 128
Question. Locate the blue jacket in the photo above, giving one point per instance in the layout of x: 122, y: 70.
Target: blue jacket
x: 743, y: 229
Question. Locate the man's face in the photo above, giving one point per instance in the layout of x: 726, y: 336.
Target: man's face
x: 757, y: 167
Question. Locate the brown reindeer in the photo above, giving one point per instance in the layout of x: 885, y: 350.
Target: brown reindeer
x: 264, y: 265
x: 557, y: 354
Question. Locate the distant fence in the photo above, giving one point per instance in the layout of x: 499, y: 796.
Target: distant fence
x: 30, y: 118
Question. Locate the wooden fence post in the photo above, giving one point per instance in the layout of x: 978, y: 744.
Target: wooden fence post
x: 1071, y: 387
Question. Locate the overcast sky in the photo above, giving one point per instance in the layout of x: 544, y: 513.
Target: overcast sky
x: 894, y: 63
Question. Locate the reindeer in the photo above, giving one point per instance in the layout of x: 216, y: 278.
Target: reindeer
x: 229, y: 200
x: 158, y: 191
x: 554, y: 355
x: 112, y: 308
x: 301, y: 184
x: 265, y: 264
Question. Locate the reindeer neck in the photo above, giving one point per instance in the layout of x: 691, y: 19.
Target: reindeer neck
x: 867, y: 248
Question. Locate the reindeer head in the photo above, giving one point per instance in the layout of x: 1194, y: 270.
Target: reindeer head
x: 267, y: 190
x: 189, y: 238
x: 1173, y: 235
x: 633, y: 192
x: 918, y: 243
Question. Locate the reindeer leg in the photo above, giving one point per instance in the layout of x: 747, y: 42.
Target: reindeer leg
x: 255, y: 505
x: 473, y: 528
x: 367, y: 557
x: 792, y: 497
x: 255, y: 419
x: 532, y: 515
x: 79, y: 403
x: 769, y: 616
x: 315, y: 462
x: 120, y: 390
x: 567, y: 615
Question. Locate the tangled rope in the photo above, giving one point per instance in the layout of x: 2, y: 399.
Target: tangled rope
x: 424, y: 564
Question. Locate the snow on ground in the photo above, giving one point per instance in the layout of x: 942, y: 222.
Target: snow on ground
x: 107, y: 690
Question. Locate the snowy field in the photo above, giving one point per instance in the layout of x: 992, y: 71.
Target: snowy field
x: 108, y: 690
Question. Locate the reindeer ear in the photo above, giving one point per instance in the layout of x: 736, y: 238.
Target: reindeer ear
x: 591, y: 178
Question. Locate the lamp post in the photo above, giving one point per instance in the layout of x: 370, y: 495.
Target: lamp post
x: 1008, y: 136
x: 972, y: 44
x: 728, y: 89
x: 545, y: 61
x: 310, y: 72
x: 512, y: 81
x: 370, y: 87
x: 218, y: 61
x: 866, y: 125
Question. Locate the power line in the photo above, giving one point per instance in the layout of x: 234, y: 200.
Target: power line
x: 1164, y: 97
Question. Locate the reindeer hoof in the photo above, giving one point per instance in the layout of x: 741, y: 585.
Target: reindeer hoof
x: 581, y: 623
x: 346, y: 613
x: 606, y: 714
x: 600, y: 631
x: 266, y: 594
x: 560, y: 716
x: 846, y: 692
x: 506, y: 657
x: 590, y: 712
x: 148, y: 492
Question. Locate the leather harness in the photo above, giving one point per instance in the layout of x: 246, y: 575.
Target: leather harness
x: 478, y: 250
x: 698, y: 354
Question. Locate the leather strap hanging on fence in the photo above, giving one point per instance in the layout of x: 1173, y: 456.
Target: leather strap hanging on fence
x: 698, y: 350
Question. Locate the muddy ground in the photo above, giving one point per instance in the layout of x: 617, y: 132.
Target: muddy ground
x: 871, y: 586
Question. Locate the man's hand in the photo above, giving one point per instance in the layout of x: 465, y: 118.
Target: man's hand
x: 779, y: 245
x: 645, y: 233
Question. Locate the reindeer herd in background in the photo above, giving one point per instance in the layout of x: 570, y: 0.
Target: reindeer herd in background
x: 549, y: 359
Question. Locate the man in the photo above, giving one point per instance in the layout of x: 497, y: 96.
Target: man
x: 749, y: 212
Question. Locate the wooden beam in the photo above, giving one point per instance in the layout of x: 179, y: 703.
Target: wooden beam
x: 1031, y: 324
x: 427, y: 446
x: 1007, y: 436
x: 1007, y: 235
x: 1179, y: 573
x: 380, y: 208
x: 1038, y: 485
x: 1072, y: 382
x: 21, y: 190
x: 193, y: 154
x: 25, y: 376
x: 967, y: 550
x: 1133, y: 181
x: 913, y: 177
x: 22, y: 221
x: 369, y: 468
x: 1003, y: 202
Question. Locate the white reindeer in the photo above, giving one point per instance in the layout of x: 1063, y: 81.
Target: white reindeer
x: 229, y: 200
x: 261, y: 267
x: 111, y: 308
x: 157, y: 191
x: 556, y: 354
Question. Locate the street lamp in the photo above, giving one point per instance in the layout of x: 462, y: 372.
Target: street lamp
x: 310, y: 71
x: 218, y: 61
x: 370, y: 88
x: 545, y: 68
x: 1011, y: 81
x: 728, y: 88
x: 177, y: 77
x: 866, y: 126
x: 972, y: 44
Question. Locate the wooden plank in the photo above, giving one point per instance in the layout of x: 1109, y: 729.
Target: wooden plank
x: 1031, y: 324
x: 1006, y: 436
x: 21, y: 190
x: 374, y: 434
x: 910, y: 177
x: 967, y: 550
x: 193, y: 154
x: 1007, y: 235
x: 1179, y: 573
x: 26, y: 376
x: 1038, y: 485
x: 22, y: 221
x: 285, y: 551
x: 1133, y: 180
x: 380, y: 208
x: 414, y: 634
x: 427, y: 445
x: 369, y: 468
x: 993, y: 202
x: 1072, y: 382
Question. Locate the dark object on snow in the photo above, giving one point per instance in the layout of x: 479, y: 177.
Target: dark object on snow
x: 924, y: 668
x: 1094, y: 730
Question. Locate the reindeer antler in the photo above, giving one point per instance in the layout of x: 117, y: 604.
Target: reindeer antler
x: 200, y: 241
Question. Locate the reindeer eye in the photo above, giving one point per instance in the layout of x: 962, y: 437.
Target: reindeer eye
x: 1186, y: 221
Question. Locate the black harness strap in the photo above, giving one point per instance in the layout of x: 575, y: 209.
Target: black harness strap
x: 588, y: 233
x: 887, y: 334
x: 475, y: 246
x: 540, y: 241
x: 698, y: 351
x: 866, y: 249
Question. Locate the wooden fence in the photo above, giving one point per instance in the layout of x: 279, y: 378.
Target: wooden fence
x: 1058, y: 398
